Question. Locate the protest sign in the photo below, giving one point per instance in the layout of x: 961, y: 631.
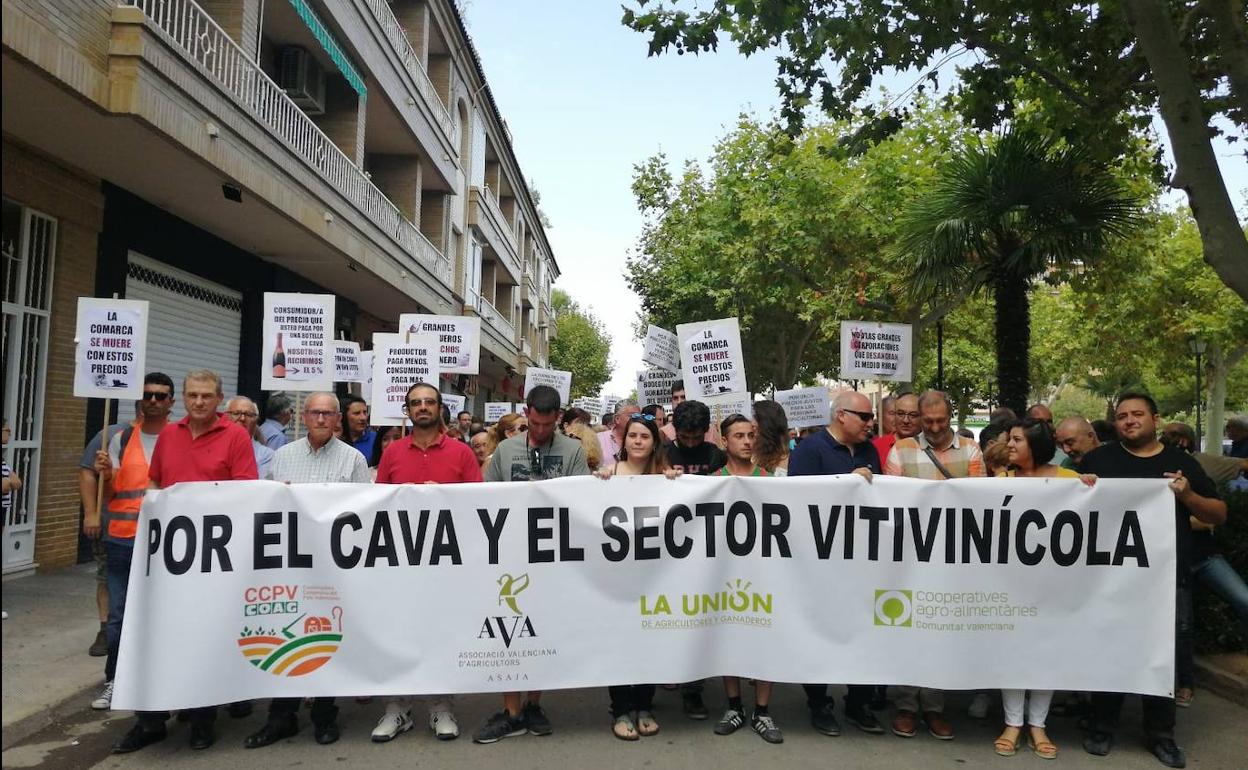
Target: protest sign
x: 298, y: 342
x: 710, y: 353
x: 459, y: 339
x: 494, y: 410
x: 591, y: 404
x: 110, y: 348
x: 518, y: 408
x: 662, y: 349
x: 559, y: 380
x: 609, y: 403
x: 654, y: 386
x: 399, y: 364
x: 455, y: 403
x: 256, y: 589
x: 805, y: 407
x: 723, y: 406
x: 347, y: 362
x: 366, y: 370
x: 875, y: 351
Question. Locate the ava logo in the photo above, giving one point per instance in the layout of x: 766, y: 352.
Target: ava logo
x: 893, y: 607
x: 298, y: 628
x: 509, y: 628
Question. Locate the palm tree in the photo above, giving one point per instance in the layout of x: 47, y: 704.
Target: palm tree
x: 1003, y: 213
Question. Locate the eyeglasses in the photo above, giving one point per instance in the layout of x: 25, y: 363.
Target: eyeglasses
x: 422, y: 402
x: 864, y: 416
x: 907, y: 415
x: 639, y: 417
x: 151, y: 396
x: 238, y: 415
x: 319, y: 414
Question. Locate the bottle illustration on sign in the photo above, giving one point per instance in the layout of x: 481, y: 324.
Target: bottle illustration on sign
x: 279, y: 358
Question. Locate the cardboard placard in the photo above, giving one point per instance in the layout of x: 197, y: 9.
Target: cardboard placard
x: 805, y: 407
x: 711, y: 357
x: 110, y: 348
x: 494, y: 410
x: 662, y: 349
x: 397, y: 365
x: 459, y: 339
x: 654, y: 386
x: 875, y: 351
x: 559, y: 380
x: 347, y: 366
x: 298, y: 342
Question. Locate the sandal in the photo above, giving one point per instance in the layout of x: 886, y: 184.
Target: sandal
x: 646, y: 724
x: 1184, y: 697
x: 624, y: 729
x: 1045, y: 749
x: 1006, y: 747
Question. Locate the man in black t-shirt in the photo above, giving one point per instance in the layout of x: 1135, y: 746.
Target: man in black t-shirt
x: 691, y: 452
x: 1139, y: 455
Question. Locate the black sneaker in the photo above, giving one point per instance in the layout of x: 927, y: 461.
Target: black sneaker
x: 730, y: 722
x: 326, y: 733
x: 1168, y: 752
x: 138, y: 738
x: 272, y: 732
x: 765, y: 726
x: 824, y: 720
x: 864, y: 720
x: 99, y: 648
x: 1098, y: 743
x: 535, y: 720
x: 501, y: 725
x: 694, y: 707
x: 202, y: 735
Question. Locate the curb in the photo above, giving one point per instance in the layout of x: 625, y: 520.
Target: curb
x: 23, y: 728
x: 1228, y: 684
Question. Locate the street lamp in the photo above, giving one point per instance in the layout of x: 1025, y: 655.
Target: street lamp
x: 1198, y: 347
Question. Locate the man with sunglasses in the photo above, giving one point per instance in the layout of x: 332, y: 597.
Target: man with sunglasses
x: 129, y: 452
x: 935, y: 453
x: 429, y: 456
x: 843, y: 447
x: 540, y: 453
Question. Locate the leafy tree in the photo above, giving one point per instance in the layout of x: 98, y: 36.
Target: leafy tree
x: 1001, y: 214
x: 1095, y: 72
x: 580, y: 345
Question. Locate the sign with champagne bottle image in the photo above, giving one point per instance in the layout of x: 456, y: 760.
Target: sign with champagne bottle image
x: 298, y: 351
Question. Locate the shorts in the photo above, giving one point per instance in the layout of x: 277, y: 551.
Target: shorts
x: 101, y: 561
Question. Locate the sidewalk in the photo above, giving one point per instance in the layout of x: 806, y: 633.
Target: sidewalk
x: 52, y: 621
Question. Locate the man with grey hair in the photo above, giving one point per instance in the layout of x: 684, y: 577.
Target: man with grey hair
x: 1076, y: 437
x: 316, y: 458
x: 243, y: 411
x: 278, y: 412
x: 936, y: 453
x: 612, y: 440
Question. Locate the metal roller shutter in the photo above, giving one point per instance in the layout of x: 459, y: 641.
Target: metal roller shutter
x: 194, y: 324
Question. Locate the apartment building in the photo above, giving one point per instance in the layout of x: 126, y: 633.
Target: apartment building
x: 198, y: 154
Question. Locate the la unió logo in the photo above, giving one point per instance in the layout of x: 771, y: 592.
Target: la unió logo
x: 292, y: 630
x: 511, y: 623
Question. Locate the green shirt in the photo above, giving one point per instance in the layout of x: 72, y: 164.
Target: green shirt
x: 515, y: 460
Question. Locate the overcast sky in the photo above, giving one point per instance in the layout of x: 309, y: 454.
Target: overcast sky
x: 584, y: 104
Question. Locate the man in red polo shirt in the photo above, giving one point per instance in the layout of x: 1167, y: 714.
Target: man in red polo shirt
x: 428, y: 457
x: 203, y: 446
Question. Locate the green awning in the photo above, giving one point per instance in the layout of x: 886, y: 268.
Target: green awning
x: 327, y: 41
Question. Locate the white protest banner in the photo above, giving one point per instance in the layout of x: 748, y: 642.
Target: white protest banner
x: 347, y: 362
x: 805, y: 407
x: 591, y: 404
x: 654, y: 386
x: 875, y: 351
x: 559, y: 380
x: 710, y: 353
x: 494, y: 410
x: 399, y: 364
x: 298, y: 342
x: 110, y: 341
x: 256, y: 589
x: 455, y: 403
x: 723, y: 406
x: 459, y: 339
x: 662, y: 349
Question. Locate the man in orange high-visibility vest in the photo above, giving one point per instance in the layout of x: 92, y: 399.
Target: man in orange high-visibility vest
x: 123, y: 470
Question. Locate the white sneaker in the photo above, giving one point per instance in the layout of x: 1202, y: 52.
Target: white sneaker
x: 105, y: 701
x: 393, y: 723
x: 4, y: 614
x: 979, y: 706
x: 443, y: 724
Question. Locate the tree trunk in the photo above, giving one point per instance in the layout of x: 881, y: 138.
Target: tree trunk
x: 1196, y: 167
x: 1220, y: 365
x: 1013, y: 338
x: 1228, y: 27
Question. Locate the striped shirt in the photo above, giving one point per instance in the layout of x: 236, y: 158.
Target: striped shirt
x: 908, y: 457
x: 337, y: 461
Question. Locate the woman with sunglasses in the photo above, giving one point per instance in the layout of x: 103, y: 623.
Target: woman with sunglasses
x: 632, y: 705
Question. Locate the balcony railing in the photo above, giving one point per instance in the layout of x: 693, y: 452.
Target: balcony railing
x: 411, y: 62
x: 491, y: 315
x: 189, y: 29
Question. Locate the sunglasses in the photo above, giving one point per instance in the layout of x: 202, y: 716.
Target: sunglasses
x: 150, y: 396
x: 422, y: 402
x: 864, y: 416
x: 639, y: 417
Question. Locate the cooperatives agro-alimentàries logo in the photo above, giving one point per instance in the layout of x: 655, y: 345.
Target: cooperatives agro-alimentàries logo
x: 893, y: 607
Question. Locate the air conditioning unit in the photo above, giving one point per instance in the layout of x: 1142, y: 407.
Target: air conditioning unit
x: 302, y: 78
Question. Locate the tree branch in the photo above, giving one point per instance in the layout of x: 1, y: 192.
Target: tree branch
x: 1004, y: 53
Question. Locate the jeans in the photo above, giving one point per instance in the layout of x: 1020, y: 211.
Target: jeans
x: 117, y: 577
x: 1184, y: 638
x: 857, y: 697
x: 1037, y: 706
x: 1216, y: 574
x: 323, y: 710
x: 626, y: 698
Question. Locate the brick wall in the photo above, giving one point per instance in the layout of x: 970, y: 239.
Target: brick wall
x: 343, y: 121
x: 399, y: 177
x: 434, y: 216
x: 413, y: 17
x: 75, y: 200
x: 239, y: 18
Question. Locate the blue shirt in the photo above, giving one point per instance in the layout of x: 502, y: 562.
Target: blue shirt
x: 274, y: 434
x: 264, y: 459
x: 365, y: 444
x: 819, y: 454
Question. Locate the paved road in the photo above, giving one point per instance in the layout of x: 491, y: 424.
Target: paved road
x: 1213, y: 731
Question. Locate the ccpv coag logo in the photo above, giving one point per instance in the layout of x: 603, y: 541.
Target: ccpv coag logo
x: 297, y: 629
